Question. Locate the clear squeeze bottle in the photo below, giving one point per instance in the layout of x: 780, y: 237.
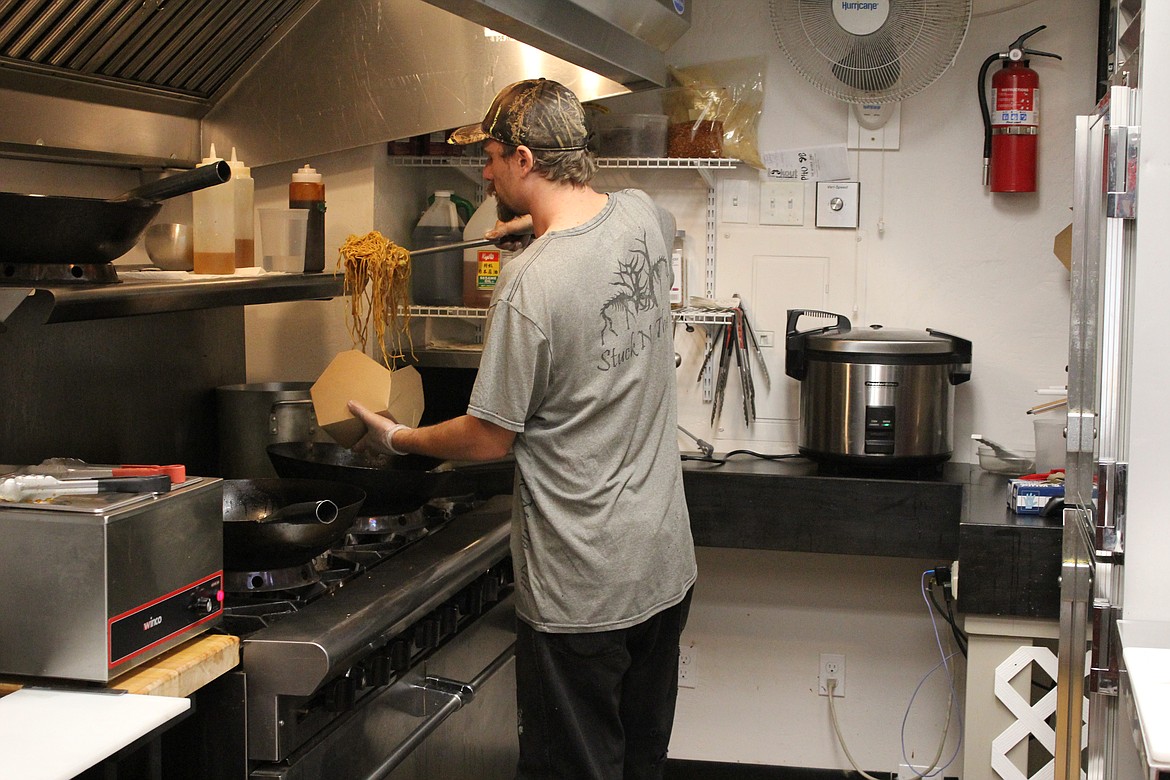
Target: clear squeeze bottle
x: 244, y: 196
x: 437, y: 280
x: 214, y: 210
x: 307, y: 191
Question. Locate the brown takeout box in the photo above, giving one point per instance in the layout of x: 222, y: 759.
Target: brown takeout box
x: 355, y: 376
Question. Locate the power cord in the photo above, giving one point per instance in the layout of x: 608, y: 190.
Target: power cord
x: 941, y: 576
x: 720, y: 461
x: 929, y: 576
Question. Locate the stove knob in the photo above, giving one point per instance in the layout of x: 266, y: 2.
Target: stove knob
x: 448, y: 619
x: 491, y: 589
x: 379, y: 671
x: 426, y: 633
x: 340, y: 696
x: 475, y: 600
x: 400, y: 655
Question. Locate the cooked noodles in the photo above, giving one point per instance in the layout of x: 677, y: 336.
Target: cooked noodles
x: 377, y: 280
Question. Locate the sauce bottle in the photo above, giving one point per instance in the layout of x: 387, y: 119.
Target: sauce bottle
x: 482, y: 265
x: 245, y: 224
x: 214, y: 240
x: 307, y: 191
x: 678, y: 267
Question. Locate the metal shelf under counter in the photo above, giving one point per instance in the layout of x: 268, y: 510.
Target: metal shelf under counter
x: 135, y: 296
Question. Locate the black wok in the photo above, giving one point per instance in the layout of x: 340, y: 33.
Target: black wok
x: 62, y: 229
x: 277, y: 523
x: 394, y: 484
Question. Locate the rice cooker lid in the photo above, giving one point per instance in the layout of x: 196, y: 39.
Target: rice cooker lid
x: 879, y: 340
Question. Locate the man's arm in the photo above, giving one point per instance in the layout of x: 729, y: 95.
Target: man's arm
x: 462, y: 438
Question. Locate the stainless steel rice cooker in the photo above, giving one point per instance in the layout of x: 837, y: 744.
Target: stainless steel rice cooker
x: 875, y: 396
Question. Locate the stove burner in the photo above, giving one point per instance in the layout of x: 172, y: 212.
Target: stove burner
x: 254, y: 599
x: 384, y: 525
x: 272, y: 580
x: 70, y: 273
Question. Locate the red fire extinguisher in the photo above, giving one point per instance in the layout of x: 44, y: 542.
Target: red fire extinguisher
x: 1011, y: 126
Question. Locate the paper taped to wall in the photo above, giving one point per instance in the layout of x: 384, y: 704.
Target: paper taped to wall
x: 812, y: 163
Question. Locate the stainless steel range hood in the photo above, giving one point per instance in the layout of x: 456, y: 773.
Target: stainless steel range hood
x: 152, y: 82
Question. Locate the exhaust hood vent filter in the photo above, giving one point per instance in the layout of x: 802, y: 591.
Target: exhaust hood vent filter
x: 185, y: 47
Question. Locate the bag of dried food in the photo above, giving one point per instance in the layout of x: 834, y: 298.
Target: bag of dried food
x: 716, y: 110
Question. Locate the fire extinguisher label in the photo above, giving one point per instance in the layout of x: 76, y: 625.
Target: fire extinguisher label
x: 1016, y: 106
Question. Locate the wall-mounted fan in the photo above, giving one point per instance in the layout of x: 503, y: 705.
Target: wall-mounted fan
x: 871, y: 51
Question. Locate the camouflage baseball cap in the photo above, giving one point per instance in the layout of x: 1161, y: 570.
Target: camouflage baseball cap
x: 543, y: 115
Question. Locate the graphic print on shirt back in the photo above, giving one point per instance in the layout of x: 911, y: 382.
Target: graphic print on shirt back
x: 634, y: 315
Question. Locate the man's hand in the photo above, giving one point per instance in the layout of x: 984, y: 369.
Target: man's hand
x: 380, y: 430
x: 513, y: 235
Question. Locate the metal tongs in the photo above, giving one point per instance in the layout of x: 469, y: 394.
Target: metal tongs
x: 735, y: 341
x: 27, y: 487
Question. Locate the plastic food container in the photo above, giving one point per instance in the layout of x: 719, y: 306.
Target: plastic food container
x: 630, y: 135
x: 1014, y: 465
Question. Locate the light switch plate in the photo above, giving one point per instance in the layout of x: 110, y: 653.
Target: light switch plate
x: 781, y: 203
x: 838, y: 204
x: 735, y: 200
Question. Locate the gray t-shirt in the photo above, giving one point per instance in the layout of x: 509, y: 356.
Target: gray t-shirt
x: 579, y: 361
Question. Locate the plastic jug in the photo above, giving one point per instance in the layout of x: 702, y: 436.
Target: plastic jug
x: 214, y: 210
x: 482, y: 266
x: 244, y: 189
x: 437, y: 280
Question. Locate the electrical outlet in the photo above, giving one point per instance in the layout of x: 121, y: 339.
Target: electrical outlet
x: 832, y: 668
x: 688, y: 672
x: 909, y: 772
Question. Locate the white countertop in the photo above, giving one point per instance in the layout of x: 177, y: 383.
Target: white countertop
x: 1146, y: 653
x: 57, y: 734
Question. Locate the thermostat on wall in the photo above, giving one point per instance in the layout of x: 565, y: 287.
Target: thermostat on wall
x: 837, y: 203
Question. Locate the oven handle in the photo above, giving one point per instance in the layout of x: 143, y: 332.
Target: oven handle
x: 459, y: 693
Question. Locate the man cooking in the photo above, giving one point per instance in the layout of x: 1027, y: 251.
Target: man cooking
x: 577, y: 378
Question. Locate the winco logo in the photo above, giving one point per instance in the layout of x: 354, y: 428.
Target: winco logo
x: 154, y: 621
x: 861, y: 17
x: 869, y: 383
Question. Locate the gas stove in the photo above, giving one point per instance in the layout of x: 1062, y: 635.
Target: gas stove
x: 350, y: 636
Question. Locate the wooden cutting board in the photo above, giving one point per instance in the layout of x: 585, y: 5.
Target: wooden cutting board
x: 178, y: 672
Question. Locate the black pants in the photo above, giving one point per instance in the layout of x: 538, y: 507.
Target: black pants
x: 598, y: 706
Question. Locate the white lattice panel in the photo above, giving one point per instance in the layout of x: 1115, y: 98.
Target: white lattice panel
x: 1031, y: 719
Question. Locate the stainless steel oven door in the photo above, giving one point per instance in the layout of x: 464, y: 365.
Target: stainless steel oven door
x: 453, y: 715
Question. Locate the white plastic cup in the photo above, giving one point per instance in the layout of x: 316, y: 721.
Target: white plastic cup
x: 282, y: 239
x: 1050, y: 441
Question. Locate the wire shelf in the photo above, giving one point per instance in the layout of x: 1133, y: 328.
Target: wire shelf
x: 690, y: 315
x: 687, y: 163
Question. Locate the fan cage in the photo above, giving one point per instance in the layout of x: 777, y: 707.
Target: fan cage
x: 913, y: 47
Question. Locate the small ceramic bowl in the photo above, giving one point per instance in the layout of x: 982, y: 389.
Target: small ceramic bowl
x: 169, y: 246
